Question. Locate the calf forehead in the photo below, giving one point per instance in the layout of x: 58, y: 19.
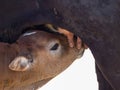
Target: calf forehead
x: 39, y: 37
x: 39, y: 34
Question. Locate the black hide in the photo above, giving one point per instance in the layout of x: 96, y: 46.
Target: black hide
x: 97, y: 22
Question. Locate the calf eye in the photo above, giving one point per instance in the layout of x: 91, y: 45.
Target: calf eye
x: 55, y: 46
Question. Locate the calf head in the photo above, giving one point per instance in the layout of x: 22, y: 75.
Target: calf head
x: 44, y: 53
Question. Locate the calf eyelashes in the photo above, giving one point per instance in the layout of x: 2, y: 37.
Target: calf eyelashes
x: 55, y: 47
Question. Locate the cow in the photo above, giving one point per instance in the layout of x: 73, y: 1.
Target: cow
x: 96, y: 22
x: 34, y: 59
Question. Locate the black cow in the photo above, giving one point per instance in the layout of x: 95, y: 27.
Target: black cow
x: 97, y: 22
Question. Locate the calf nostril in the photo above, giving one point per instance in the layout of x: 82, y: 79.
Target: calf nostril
x: 55, y: 46
x: 30, y: 58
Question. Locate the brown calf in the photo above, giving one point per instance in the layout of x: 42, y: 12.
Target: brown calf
x: 34, y: 59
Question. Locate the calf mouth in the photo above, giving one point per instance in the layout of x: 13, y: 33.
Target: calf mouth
x: 39, y: 84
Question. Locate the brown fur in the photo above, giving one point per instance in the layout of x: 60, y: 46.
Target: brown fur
x: 46, y: 63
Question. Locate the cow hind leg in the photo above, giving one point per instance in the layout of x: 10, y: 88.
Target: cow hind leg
x: 103, y: 84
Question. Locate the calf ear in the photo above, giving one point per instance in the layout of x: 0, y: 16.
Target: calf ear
x: 20, y: 63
